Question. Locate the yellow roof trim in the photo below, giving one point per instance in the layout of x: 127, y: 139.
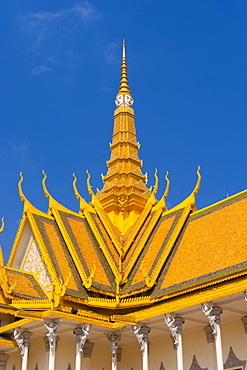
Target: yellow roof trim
x: 14, y: 325
x: 191, y: 199
x: 220, y: 202
x: 162, y: 202
x: 28, y: 207
x: 53, y: 203
x: 82, y: 203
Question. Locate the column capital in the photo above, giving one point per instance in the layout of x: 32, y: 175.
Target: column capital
x: 81, y: 334
x: 175, y: 326
x: 113, y: 340
x: 141, y: 333
x: 52, y: 334
x: 26, y: 338
x: 213, y: 315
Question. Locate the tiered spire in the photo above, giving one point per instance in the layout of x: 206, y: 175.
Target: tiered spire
x: 124, y: 194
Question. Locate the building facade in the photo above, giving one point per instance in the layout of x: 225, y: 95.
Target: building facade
x: 126, y: 283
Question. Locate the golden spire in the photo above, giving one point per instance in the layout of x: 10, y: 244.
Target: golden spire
x: 124, y: 193
x: 124, y: 84
x: 124, y: 97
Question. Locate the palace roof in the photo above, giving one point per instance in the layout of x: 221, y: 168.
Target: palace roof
x: 124, y: 256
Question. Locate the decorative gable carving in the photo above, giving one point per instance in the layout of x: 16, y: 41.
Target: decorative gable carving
x: 233, y: 361
x: 33, y: 263
x: 195, y: 365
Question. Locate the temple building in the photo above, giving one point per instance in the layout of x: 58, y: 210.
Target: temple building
x: 126, y: 283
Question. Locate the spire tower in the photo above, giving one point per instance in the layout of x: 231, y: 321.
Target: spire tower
x: 124, y: 193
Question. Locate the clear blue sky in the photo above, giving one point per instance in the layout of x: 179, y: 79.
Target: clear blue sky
x: 60, y: 71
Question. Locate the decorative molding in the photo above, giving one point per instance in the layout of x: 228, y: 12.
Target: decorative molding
x: 233, y: 361
x: 119, y: 354
x: 244, y: 321
x: 209, y: 333
x: 141, y: 333
x: 87, y: 349
x: 195, y: 365
x: 175, y: 326
x: 3, y: 360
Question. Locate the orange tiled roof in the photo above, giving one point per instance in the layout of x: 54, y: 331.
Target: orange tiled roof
x: 26, y: 286
x: 213, y: 244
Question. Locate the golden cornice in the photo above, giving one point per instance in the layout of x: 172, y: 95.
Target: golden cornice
x: 14, y: 325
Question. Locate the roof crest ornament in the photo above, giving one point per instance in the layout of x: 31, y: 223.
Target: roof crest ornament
x: 82, y: 203
x: 191, y: 199
x: 53, y: 203
x: 28, y: 207
x: 2, y: 226
x: 162, y: 201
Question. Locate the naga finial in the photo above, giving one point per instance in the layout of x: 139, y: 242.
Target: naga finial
x: 155, y: 189
x: 198, y: 184
x: 21, y: 194
x: 89, y: 187
x: 2, y: 226
x: 77, y: 195
x: 44, y: 184
x: 167, y: 185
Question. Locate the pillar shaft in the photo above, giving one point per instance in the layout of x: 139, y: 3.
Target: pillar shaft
x: 81, y: 334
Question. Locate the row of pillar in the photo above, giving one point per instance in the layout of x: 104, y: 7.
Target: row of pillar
x: 213, y: 333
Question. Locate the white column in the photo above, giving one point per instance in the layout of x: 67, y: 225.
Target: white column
x: 52, y: 337
x: 141, y: 333
x: 175, y: 326
x: 23, y: 341
x: 113, y: 340
x: 213, y: 316
x: 81, y: 337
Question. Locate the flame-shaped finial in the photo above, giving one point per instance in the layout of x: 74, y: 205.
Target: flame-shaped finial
x: 21, y: 194
x: 167, y: 185
x: 46, y: 192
